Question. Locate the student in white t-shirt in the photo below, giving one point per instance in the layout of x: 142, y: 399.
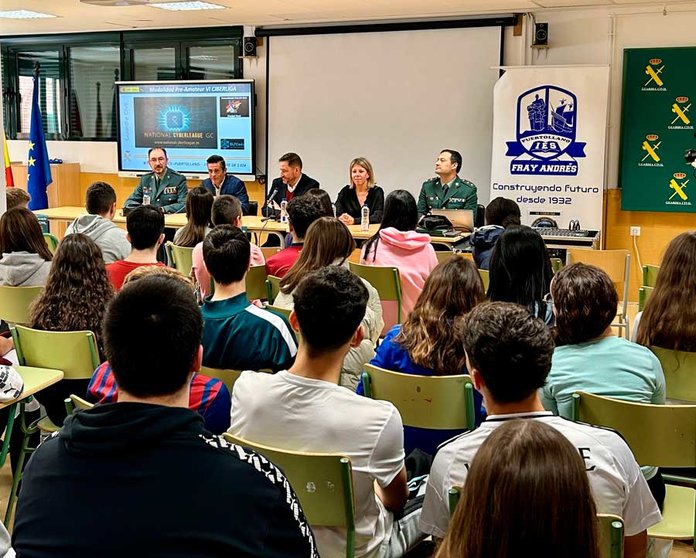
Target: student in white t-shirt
x: 509, y: 356
x: 305, y: 409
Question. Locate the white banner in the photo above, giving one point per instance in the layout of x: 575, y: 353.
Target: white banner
x: 549, y: 139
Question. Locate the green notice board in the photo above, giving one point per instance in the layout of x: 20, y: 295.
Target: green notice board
x: 657, y: 126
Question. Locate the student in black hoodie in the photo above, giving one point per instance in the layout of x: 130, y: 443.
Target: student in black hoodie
x: 142, y: 477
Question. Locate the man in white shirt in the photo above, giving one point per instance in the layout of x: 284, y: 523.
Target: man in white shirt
x: 305, y: 409
x: 509, y: 357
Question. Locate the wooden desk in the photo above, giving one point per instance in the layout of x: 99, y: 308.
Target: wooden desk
x: 252, y: 223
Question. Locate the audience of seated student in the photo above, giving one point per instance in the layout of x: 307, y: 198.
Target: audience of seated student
x: 398, y: 244
x: 500, y: 214
x: 362, y: 191
x: 100, y: 203
x: 145, y: 226
x: 152, y: 481
x: 26, y: 259
x: 304, y: 409
x: 429, y: 342
x: 207, y: 396
x: 329, y: 242
x: 517, y: 496
x: 589, y: 357
x: 16, y: 197
x: 226, y: 210
x: 520, y: 271
x: 669, y: 317
x: 236, y: 333
x: 302, y: 212
x: 199, y: 203
x: 509, y: 355
x: 75, y: 298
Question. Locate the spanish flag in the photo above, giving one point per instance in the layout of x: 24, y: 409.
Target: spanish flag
x: 9, y: 179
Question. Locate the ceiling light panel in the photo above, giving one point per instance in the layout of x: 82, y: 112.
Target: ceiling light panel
x: 24, y: 14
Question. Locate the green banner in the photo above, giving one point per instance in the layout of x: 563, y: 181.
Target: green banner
x: 657, y: 126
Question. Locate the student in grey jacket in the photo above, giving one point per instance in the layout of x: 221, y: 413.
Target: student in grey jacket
x: 26, y: 259
x: 100, y: 203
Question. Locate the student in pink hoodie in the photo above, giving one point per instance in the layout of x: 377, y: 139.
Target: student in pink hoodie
x: 398, y: 244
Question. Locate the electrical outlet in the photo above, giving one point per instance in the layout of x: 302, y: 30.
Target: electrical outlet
x: 635, y: 231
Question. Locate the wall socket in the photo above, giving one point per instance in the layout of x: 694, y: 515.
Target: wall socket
x: 635, y: 231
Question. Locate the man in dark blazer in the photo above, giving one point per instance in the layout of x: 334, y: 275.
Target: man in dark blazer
x: 163, y: 188
x: 219, y: 182
x: 292, y: 182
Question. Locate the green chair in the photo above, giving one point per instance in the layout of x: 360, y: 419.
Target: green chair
x: 180, y: 257
x: 679, y: 368
x: 385, y: 280
x: 659, y: 436
x: 76, y: 402
x: 272, y: 287
x: 556, y: 264
x: 650, y: 275
x: 643, y: 296
x: 73, y: 352
x: 323, y: 483
x: 227, y: 375
x: 486, y: 278
x: 15, y: 303
x: 51, y: 241
x: 256, y: 282
x: 435, y: 402
x: 609, y: 527
x: 278, y: 310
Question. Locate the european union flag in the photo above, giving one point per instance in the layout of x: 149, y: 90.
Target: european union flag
x: 38, y: 168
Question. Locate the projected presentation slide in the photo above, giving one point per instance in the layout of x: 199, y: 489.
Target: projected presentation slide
x: 191, y: 120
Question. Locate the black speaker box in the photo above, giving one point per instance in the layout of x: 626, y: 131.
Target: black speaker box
x: 541, y: 34
x: 249, y: 46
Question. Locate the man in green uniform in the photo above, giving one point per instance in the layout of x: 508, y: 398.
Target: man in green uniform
x: 447, y: 190
x: 163, y: 188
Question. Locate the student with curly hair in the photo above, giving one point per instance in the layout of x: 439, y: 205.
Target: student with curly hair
x: 429, y: 341
x: 74, y: 299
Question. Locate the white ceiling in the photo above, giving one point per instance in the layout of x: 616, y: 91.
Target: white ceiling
x: 74, y: 16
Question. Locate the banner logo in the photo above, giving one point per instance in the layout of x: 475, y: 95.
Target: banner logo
x: 678, y: 185
x: 546, y: 124
x: 681, y: 120
x: 650, y: 146
x: 653, y: 70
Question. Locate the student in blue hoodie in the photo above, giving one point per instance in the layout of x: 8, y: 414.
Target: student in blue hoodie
x: 500, y: 214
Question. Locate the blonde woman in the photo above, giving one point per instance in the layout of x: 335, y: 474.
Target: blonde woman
x: 361, y: 191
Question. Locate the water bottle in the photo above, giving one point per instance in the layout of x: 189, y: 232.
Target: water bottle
x: 333, y: 208
x: 284, y: 211
x: 146, y: 197
x: 365, y: 218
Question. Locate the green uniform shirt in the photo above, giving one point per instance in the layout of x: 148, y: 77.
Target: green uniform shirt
x: 169, y: 194
x: 460, y: 195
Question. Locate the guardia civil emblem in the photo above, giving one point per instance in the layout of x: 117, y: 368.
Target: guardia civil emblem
x: 546, y: 129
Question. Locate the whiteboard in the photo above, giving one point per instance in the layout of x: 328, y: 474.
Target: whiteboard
x: 396, y: 98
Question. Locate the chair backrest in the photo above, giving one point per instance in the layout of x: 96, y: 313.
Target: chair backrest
x: 384, y: 279
x: 610, y: 528
x: 436, y: 402
x: 15, y: 303
x: 486, y: 278
x: 272, y: 287
x: 643, y: 296
x: 556, y: 264
x: 256, y: 282
x: 227, y: 375
x: 269, y: 251
x: 278, y: 310
x: 444, y: 255
x: 650, y: 275
x: 680, y: 373
x: 658, y: 435
x: 180, y: 257
x: 355, y: 255
x: 51, y: 241
x: 73, y: 352
x: 615, y: 263
x: 76, y: 402
x: 323, y: 483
